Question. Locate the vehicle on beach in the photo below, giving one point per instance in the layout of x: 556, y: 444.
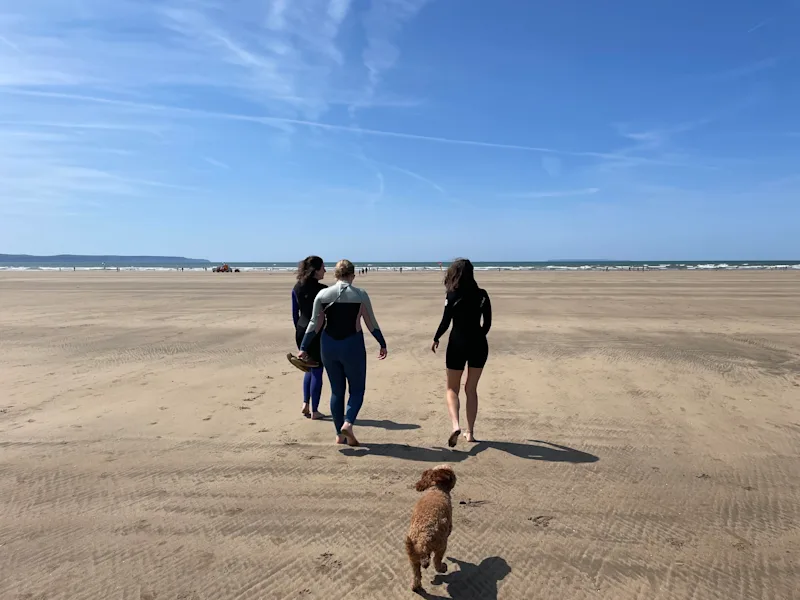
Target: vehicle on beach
x: 224, y: 268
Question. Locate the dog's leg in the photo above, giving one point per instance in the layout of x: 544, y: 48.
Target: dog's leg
x: 438, y: 556
x: 413, y: 558
x: 416, y: 584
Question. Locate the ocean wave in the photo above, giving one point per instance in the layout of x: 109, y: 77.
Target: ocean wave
x: 551, y: 267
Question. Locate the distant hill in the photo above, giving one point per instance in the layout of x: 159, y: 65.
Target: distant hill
x: 77, y: 260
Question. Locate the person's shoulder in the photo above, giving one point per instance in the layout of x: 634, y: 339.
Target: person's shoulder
x: 325, y: 291
x: 483, y: 292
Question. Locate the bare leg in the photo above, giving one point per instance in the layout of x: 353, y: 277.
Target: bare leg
x: 438, y: 556
x: 471, y: 389
x: 453, y: 404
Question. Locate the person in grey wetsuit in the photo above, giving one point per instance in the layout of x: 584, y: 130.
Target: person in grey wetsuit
x: 337, y: 313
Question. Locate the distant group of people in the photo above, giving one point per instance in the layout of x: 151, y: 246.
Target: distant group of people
x: 329, y: 336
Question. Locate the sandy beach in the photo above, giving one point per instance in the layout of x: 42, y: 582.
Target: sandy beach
x: 640, y: 439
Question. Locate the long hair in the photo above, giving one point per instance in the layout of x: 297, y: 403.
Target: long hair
x: 460, y: 276
x: 307, y: 267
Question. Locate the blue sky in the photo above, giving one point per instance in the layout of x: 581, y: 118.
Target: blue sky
x: 401, y: 129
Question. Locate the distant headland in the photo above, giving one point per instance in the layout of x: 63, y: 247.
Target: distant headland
x: 78, y: 260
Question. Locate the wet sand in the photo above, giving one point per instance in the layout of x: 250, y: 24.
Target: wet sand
x: 641, y: 439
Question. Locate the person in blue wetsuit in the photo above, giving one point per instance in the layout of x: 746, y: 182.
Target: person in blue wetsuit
x: 465, y: 305
x: 338, y: 312
x: 309, y: 273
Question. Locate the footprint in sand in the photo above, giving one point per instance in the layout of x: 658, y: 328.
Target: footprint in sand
x: 541, y: 520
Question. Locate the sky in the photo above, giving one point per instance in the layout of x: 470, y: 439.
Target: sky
x: 401, y: 129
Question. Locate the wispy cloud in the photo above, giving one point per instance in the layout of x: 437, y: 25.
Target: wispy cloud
x: 746, y: 70
x: 418, y: 177
x: 8, y: 43
x: 382, y: 23
x: 554, y: 193
x: 552, y: 165
x: 176, y: 111
x: 216, y: 163
x: 758, y: 26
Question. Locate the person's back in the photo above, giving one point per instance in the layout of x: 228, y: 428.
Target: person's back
x: 467, y: 309
x: 304, y: 294
x: 337, y: 313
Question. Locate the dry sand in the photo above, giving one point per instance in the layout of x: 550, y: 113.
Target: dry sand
x: 642, y: 441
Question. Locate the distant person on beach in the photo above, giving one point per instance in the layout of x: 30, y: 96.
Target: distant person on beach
x: 465, y: 305
x: 310, y: 271
x: 338, y: 312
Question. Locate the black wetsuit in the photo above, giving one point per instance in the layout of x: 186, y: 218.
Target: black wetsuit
x: 467, y: 344
x: 302, y: 306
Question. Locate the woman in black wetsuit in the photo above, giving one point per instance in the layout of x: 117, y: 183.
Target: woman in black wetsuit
x: 309, y: 273
x: 464, y: 305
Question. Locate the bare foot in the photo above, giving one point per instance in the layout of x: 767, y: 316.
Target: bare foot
x: 306, y: 411
x: 340, y: 439
x: 469, y: 437
x: 453, y: 439
x: 347, y: 432
x: 317, y: 416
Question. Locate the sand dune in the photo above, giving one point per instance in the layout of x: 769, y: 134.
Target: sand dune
x: 641, y: 440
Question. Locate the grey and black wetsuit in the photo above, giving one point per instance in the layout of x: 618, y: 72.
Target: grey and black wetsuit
x: 338, y: 311
x: 467, y: 344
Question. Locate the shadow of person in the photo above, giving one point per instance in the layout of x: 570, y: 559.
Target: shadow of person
x: 539, y: 450
x: 545, y: 451
x: 478, y: 582
x: 406, y: 452
x: 387, y: 424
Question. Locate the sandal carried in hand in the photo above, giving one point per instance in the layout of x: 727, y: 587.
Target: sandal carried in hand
x: 303, y: 365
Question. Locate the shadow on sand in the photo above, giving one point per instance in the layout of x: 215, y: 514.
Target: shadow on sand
x: 387, y: 424
x: 545, y: 451
x: 472, y: 582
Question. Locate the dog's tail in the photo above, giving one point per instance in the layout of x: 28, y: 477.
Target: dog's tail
x: 411, y: 550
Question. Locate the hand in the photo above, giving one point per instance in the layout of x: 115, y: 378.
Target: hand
x: 302, y: 355
x: 382, y: 354
x: 434, y: 346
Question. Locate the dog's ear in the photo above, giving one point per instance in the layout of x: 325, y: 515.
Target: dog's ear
x: 425, y: 481
x: 446, y: 479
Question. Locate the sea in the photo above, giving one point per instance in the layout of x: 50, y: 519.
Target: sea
x: 556, y: 265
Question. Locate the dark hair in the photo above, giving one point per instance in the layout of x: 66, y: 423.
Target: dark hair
x: 307, y: 267
x: 460, y: 276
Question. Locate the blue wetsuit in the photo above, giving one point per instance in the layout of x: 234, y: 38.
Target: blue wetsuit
x: 303, y: 295
x: 338, y: 311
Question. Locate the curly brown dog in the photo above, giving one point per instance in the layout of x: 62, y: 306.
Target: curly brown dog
x: 431, y: 522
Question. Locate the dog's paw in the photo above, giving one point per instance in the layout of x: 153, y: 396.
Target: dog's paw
x: 442, y: 568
